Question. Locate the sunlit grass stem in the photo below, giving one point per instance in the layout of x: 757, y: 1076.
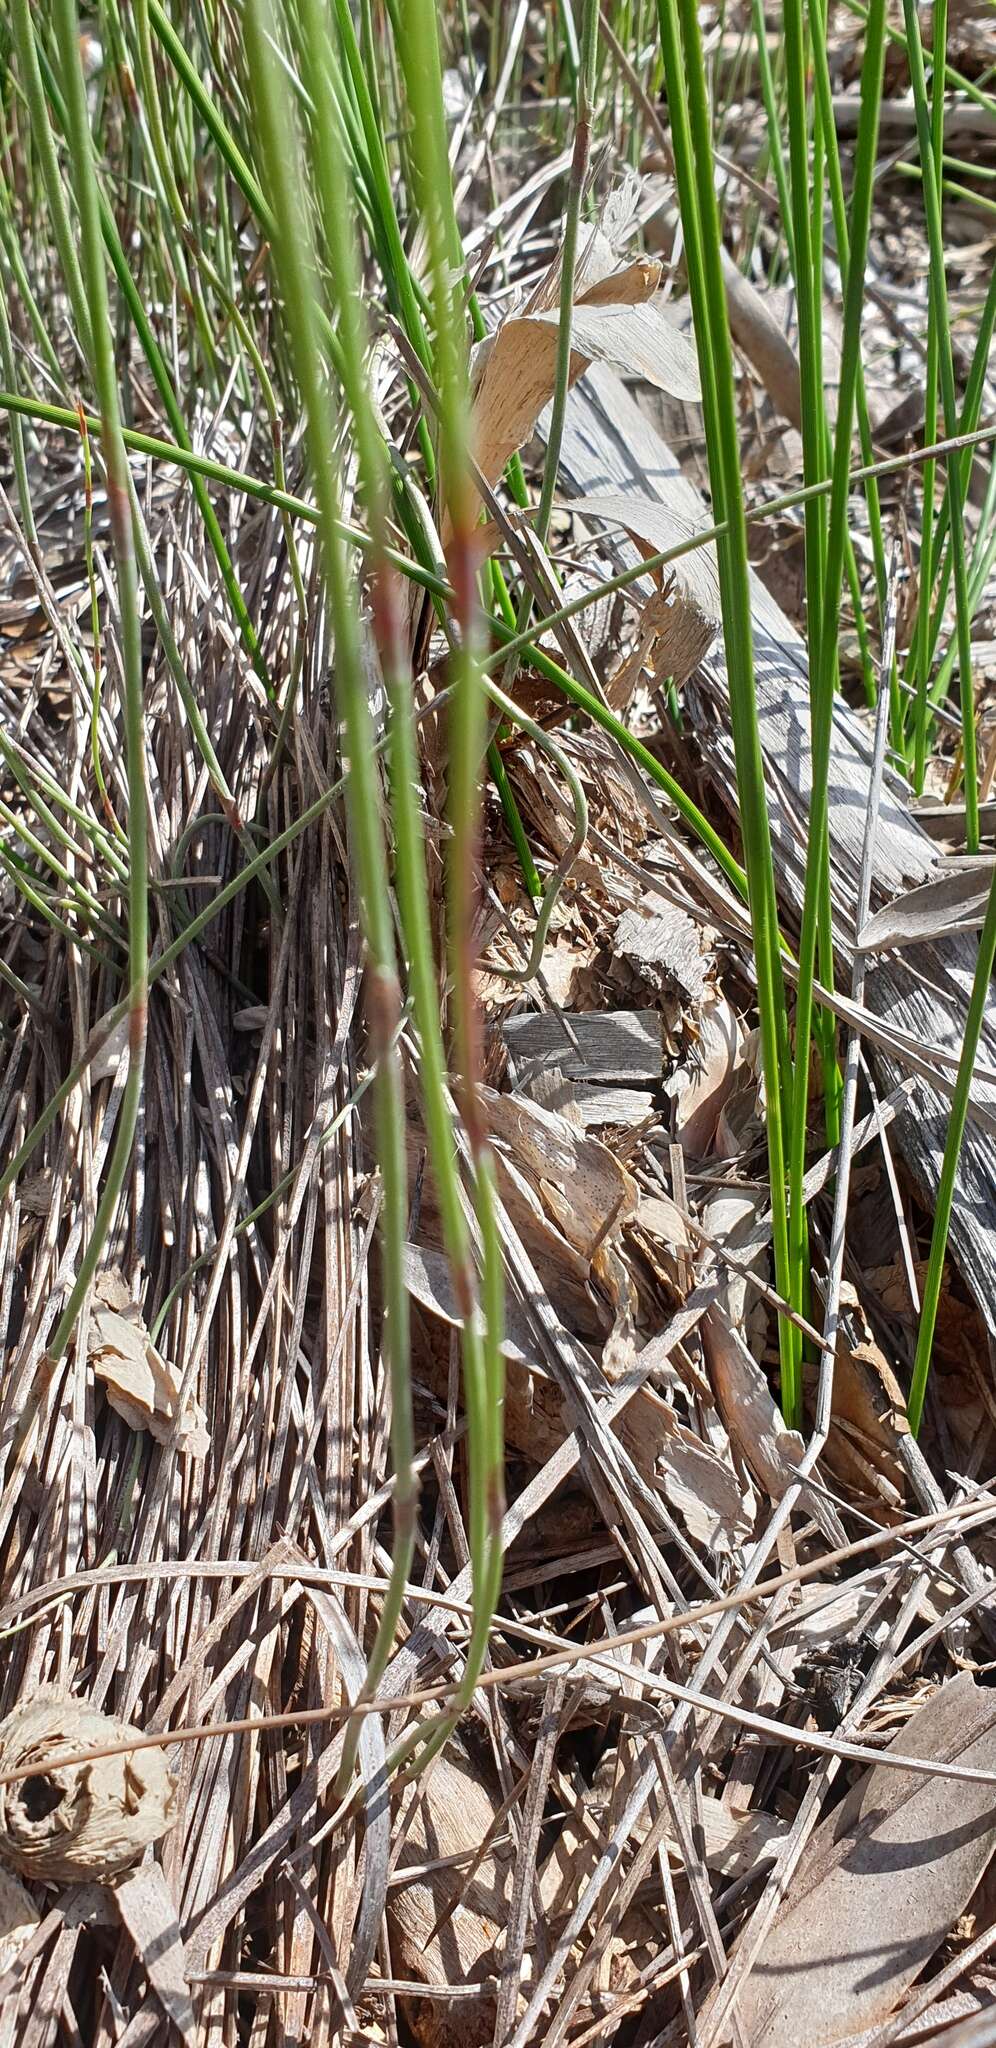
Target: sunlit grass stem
x: 692, y: 143
x: 484, y: 1372
x: 945, y: 367
x: 280, y: 145
x: 409, y: 849
x: 956, y: 1116
x: 104, y: 373
x: 824, y: 663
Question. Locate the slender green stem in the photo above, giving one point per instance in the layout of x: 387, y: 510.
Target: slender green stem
x: 821, y: 72
x: 809, y: 303
x: 17, y: 432
x: 159, y: 450
x: 410, y: 869
x: 280, y: 148
x: 418, y: 49
x: 806, y: 181
x: 55, y: 191
x: 692, y: 140
x: 568, y: 265
x: 949, y: 1168
x: 974, y: 391
x: 945, y: 364
x: 116, y: 471
x: 157, y: 364
x: 954, y: 80
x: 513, y: 819
x: 773, y: 117
x: 929, y: 538
x: 207, y: 108
x: 15, y: 274
x: 823, y: 654
x: 395, y: 267
x: 568, y: 260
x: 95, y: 695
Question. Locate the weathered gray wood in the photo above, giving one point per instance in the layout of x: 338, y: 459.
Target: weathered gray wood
x: 613, y: 1045
x: 610, y: 445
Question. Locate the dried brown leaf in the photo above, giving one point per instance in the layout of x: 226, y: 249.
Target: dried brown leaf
x: 629, y: 287
x: 429, y: 1278
x: 703, y: 1488
x: 954, y: 902
x: 637, y: 339
x: 748, y: 1408
x: 446, y: 1920
x: 683, y: 620
x: 881, y: 1885
x: 732, y: 1845
x: 142, y: 1385
x: 520, y: 362
x: 703, y: 1086
x: 585, y: 1188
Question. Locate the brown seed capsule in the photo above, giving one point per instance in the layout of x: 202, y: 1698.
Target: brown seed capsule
x: 78, y: 1822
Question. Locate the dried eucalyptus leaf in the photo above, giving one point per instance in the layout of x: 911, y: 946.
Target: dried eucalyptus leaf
x: 954, y: 902
x: 142, y: 1385
x: 660, y: 527
x: 639, y: 340
x: 881, y: 1884
x: 75, y: 1822
x: 516, y: 369
x: 447, y: 1918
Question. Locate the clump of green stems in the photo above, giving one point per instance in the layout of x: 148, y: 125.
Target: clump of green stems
x: 812, y: 158
x: 374, y: 145
x: 280, y: 147
x: 99, y: 334
x: 691, y: 140
x: 826, y: 537
x: 483, y: 1323
x: 313, y: 56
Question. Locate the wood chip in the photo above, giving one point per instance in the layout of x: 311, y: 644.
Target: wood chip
x: 617, y: 1045
x: 661, y: 938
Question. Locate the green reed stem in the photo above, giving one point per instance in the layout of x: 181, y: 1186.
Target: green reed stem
x: 484, y: 1370
x: 823, y: 651
x: 157, y: 365
x: 331, y: 186
x: 568, y: 260
x: 957, y: 1114
x: 692, y: 141
x: 921, y: 652
x: 945, y: 365
x: 294, y: 256
x: 103, y: 370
